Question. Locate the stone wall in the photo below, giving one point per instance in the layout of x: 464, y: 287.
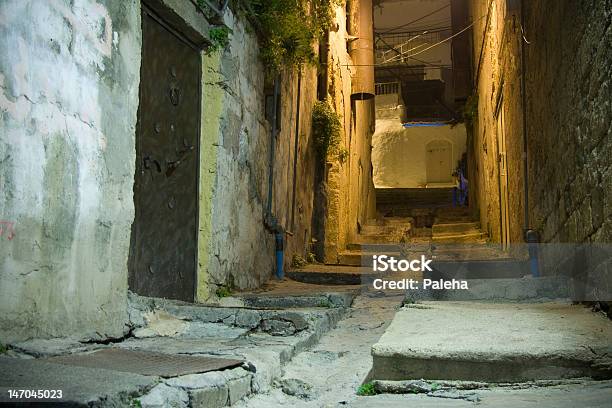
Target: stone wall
x: 496, y: 62
x: 350, y: 199
x: 569, y: 112
x: 568, y: 60
x: 69, y: 76
x: 236, y: 250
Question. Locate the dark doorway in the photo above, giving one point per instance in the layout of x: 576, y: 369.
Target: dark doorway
x: 164, y: 233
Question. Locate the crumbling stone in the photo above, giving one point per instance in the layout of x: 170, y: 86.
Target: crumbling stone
x: 162, y: 396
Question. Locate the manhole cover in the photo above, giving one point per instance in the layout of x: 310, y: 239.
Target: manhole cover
x: 146, y: 363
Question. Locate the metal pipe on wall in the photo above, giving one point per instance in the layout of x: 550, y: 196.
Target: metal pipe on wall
x: 361, y: 49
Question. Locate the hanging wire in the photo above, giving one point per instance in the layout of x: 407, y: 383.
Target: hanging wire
x: 414, y: 21
x: 442, y: 41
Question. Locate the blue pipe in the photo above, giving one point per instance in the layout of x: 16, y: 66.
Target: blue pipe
x: 279, y: 238
x: 532, y: 245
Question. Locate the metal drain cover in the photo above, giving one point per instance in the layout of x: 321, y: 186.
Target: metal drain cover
x: 146, y: 362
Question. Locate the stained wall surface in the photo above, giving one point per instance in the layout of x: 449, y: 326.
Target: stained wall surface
x: 69, y: 76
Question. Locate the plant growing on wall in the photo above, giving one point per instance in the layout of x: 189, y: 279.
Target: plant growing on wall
x: 290, y: 29
x: 219, y: 38
x: 325, y: 128
x: 343, y: 154
x: 470, y: 110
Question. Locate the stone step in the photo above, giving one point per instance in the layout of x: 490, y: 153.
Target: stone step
x: 501, y: 290
x: 366, y: 239
x: 476, y: 341
x: 320, y: 274
x: 453, y: 219
x: 373, y: 247
x: 455, y: 228
x: 358, y: 258
x: 383, y: 229
x: 474, y: 237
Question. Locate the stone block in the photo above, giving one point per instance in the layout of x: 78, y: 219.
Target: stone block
x: 162, y: 396
x: 248, y: 318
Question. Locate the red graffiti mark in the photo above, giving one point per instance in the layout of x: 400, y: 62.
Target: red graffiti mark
x: 9, y: 226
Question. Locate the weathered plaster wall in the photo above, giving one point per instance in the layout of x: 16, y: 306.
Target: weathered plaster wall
x: 350, y: 190
x: 69, y: 75
x: 235, y: 140
x: 399, y: 154
x: 236, y: 251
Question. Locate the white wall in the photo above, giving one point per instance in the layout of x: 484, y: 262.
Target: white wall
x: 69, y: 75
x: 399, y: 154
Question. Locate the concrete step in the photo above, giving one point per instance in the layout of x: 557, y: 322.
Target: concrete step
x: 475, y: 341
x: 455, y: 228
x: 501, y: 290
x: 478, y: 269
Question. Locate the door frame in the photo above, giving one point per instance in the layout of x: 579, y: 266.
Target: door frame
x: 452, y: 157
x: 150, y: 11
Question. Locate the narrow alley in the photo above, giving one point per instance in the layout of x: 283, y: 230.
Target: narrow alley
x: 306, y: 203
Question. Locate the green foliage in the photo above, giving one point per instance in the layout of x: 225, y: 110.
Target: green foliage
x: 3, y: 348
x: 135, y: 403
x: 311, y: 258
x: 298, y: 261
x: 366, y: 389
x: 325, y: 303
x: 470, y: 110
x: 222, y: 292
x: 326, y: 128
x: 290, y: 29
x: 219, y: 37
x: 343, y: 154
x: 435, y: 386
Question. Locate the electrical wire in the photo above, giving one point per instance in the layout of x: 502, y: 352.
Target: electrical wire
x: 440, y: 42
x: 418, y: 19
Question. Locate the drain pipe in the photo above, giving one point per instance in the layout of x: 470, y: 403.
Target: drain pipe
x: 270, y: 221
x: 531, y: 236
x: 524, y: 107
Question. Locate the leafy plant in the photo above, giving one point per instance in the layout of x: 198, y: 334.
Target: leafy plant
x: 326, y: 128
x: 297, y: 261
x: 343, y: 154
x: 135, y: 403
x: 290, y: 29
x: 3, y: 348
x: 470, y: 110
x: 366, y: 389
x: 311, y: 258
x: 219, y: 37
x: 222, y: 292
